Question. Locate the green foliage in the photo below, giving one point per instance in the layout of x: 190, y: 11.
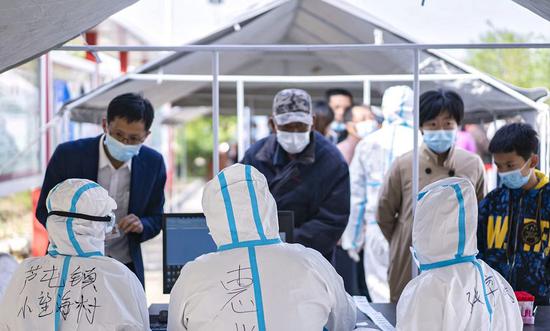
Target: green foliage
x: 521, y: 67
x: 194, y: 140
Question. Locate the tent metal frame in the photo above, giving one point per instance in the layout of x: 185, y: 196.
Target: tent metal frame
x: 215, y: 51
x: 415, y: 49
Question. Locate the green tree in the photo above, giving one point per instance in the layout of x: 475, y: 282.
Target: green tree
x: 194, y: 141
x: 521, y: 67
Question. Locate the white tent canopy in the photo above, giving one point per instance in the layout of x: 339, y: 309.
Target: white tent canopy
x: 539, y: 7
x: 307, y: 22
x: 31, y: 28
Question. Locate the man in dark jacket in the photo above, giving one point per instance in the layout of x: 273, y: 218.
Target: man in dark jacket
x: 133, y: 174
x: 306, y: 173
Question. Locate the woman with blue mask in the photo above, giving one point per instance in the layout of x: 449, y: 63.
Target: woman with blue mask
x: 441, y: 112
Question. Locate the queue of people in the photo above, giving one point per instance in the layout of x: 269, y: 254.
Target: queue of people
x: 345, y: 171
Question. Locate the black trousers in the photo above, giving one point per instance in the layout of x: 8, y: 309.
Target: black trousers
x: 353, y: 273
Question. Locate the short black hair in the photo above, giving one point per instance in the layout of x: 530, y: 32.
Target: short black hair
x: 133, y: 108
x: 338, y: 91
x: 323, y: 116
x: 348, y: 114
x: 434, y: 102
x: 516, y: 137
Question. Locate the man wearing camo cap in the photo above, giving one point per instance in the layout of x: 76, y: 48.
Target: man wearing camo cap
x: 305, y: 172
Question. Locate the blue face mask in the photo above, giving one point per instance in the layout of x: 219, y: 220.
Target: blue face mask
x: 120, y: 151
x: 439, y: 141
x: 514, y: 179
x: 337, y: 126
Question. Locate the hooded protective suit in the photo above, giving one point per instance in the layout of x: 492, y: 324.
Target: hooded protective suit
x: 454, y: 291
x: 75, y: 287
x: 373, y: 158
x: 8, y: 265
x: 254, y: 281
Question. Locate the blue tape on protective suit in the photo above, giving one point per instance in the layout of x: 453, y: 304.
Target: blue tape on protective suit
x: 359, y: 222
x: 69, y: 224
x: 228, y: 208
x: 461, y: 220
x: 487, y: 303
x: 446, y: 263
x: 60, y: 290
x: 257, y: 288
x: 249, y: 243
x: 254, y: 202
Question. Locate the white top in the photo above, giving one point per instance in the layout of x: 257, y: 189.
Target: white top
x: 74, y: 287
x: 462, y: 296
x: 117, y: 183
x: 253, y: 282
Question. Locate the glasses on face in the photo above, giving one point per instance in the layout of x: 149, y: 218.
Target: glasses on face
x: 128, y: 140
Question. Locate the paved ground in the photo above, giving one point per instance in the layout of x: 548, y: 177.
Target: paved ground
x: 189, y: 202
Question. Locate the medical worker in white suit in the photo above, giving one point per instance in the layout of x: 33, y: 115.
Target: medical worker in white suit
x: 75, y: 287
x: 255, y: 282
x: 372, y: 160
x: 455, y: 291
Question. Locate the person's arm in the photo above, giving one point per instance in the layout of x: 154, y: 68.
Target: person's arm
x: 354, y: 234
x: 483, y: 215
x: 421, y: 306
x: 323, y: 230
x: 55, y: 174
x: 389, y: 201
x: 152, y: 219
x: 342, y: 315
x: 140, y: 300
x: 178, y: 300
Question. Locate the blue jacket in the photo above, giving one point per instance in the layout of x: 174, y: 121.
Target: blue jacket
x: 315, y: 186
x: 514, y: 241
x: 80, y: 159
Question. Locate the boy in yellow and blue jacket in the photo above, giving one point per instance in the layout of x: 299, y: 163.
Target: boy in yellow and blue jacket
x: 514, y: 219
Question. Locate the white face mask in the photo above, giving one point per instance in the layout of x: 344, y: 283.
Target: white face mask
x: 293, y: 142
x: 365, y: 128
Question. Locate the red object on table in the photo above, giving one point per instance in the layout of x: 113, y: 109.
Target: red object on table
x: 524, y: 296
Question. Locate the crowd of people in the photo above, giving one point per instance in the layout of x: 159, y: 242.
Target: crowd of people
x: 345, y: 171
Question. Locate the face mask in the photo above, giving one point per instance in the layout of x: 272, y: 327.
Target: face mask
x: 120, y: 151
x: 293, y: 142
x: 514, y: 179
x: 337, y: 126
x: 365, y: 128
x: 439, y: 141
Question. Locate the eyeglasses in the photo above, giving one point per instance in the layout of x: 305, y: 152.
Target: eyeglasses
x: 130, y: 140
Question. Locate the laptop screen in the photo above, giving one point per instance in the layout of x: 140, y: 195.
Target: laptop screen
x: 186, y: 237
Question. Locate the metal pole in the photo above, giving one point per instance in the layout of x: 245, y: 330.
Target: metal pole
x: 366, y: 92
x: 215, y: 111
x: 296, y: 79
x: 241, y: 120
x: 416, y: 122
x: 297, y: 47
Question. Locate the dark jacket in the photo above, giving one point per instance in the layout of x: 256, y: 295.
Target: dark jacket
x: 514, y: 241
x: 315, y: 186
x: 80, y: 159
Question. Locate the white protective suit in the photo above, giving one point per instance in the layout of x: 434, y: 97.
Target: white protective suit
x: 254, y: 282
x: 454, y: 291
x: 373, y: 158
x: 75, y: 287
x: 8, y: 265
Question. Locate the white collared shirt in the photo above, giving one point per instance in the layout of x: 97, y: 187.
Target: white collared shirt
x: 117, y: 183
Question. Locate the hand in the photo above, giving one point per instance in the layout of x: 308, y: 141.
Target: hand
x: 353, y: 255
x: 130, y: 223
